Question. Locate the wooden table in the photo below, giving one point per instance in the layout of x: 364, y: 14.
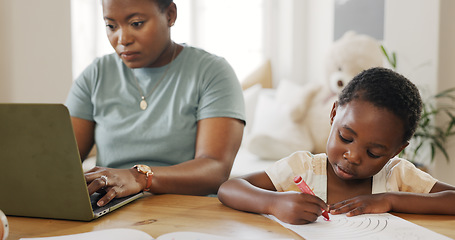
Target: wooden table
x: 162, y: 214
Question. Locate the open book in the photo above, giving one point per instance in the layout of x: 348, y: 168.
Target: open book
x: 128, y: 233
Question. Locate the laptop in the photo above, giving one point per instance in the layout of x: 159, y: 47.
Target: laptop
x: 40, y: 169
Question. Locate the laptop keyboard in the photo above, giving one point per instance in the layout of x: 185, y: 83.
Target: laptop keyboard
x: 94, y: 198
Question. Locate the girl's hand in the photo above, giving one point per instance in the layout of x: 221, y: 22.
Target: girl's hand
x: 375, y: 203
x: 297, y: 208
x: 116, y: 183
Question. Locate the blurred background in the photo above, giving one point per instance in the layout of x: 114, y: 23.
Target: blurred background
x: 45, y: 44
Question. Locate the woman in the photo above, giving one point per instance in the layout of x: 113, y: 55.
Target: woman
x: 174, y: 112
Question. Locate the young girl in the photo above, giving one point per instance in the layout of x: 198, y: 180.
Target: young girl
x: 165, y: 117
x: 373, y: 120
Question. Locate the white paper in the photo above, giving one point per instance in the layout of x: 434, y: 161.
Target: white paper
x: 366, y: 226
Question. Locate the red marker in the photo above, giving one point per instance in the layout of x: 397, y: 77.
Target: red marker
x: 306, y: 189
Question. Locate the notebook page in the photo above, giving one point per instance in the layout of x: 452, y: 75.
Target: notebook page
x: 366, y: 226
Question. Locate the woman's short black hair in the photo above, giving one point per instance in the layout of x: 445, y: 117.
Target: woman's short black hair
x: 163, y: 4
x: 387, y: 89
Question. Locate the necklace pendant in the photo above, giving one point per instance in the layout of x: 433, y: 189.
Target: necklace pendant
x: 143, y: 104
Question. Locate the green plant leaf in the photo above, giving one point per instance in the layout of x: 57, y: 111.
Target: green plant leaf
x: 432, y: 151
x: 417, y: 149
x: 451, y: 123
x: 445, y: 93
x: 393, y: 61
x: 442, y: 149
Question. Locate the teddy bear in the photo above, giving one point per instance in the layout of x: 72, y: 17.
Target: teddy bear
x: 350, y: 55
x: 297, y: 117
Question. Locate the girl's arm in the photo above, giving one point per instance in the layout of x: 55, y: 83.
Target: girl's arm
x: 252, y: 193
x: 439, y: 201
x: 256, y: 193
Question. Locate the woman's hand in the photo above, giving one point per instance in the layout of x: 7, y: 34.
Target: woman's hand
x: 116, y: 183
x: 375, y: 203
x: 297, y: 208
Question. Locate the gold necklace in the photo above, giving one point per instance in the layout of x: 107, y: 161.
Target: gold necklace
x: 143, y: 103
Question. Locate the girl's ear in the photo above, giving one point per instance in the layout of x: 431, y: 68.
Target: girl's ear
x: 333, y: 112
x: 171, y: 13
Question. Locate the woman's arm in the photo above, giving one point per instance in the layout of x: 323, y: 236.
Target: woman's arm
x: 439, y: 201
x: 217, y: 143
x: 256, y: 193
x: 84, y: 133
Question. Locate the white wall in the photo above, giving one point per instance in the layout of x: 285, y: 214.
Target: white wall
x: 421, y: 33
x: 279, y: 37
x: 411, y: 30
x: 35, y: 42
x: 298, y: 35
x: 414, y: 39
x: 320, y: 16
x: 446, y: 79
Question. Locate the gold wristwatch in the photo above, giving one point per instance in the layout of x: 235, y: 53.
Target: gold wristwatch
x: 148, y: 172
